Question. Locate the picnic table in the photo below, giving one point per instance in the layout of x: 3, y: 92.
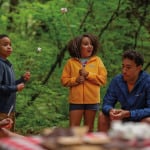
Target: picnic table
x: 78, y: 139
x: 38, y: 143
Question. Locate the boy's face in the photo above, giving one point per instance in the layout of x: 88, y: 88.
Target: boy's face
x: 130, y: 70
x: 5, y: 47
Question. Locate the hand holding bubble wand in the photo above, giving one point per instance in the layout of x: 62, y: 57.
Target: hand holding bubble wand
x: 7, y: 122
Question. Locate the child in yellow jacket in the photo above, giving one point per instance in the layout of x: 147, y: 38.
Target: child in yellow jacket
x: 84, y: 73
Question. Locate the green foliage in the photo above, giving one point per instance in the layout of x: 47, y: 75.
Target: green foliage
x: 39, y: 23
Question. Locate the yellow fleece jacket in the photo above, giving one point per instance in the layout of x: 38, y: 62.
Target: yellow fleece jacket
x: 89, y: 91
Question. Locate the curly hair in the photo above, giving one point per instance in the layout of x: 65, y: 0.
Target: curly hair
x: 135, y: 56
x: 74, y: 45
x: 3, y: 35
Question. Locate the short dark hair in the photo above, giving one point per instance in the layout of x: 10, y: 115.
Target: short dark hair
x: 75, y: 44
x: 3, y: 35
x: 135, y: 56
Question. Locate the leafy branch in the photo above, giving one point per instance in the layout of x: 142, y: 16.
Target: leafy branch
x: 113, y: 16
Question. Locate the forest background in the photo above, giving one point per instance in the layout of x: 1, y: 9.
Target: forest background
x: 40, y: 32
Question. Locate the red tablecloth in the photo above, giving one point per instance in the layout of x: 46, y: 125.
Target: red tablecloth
x: 21, y: 143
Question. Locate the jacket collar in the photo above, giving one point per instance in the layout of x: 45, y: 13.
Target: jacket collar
x: 5, y: 61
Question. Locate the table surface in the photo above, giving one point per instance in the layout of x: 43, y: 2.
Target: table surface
x: 38, y: 143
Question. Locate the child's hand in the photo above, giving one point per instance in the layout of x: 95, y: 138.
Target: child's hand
x: 80, y: 79
x: 6, y: 123
x: 26, y: 76
x: 83, y: 72
x: 20, y: 86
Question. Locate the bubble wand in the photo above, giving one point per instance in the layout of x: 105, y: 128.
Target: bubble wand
x: 10, y: 110
x: 64, y: 12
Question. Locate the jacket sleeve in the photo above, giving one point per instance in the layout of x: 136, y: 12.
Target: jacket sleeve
x: 20, y: 80
x: 139, y: 114
x: 69, y: 75
x: 100, y: 77
x: 6, y: 88
x: 110, y: 98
